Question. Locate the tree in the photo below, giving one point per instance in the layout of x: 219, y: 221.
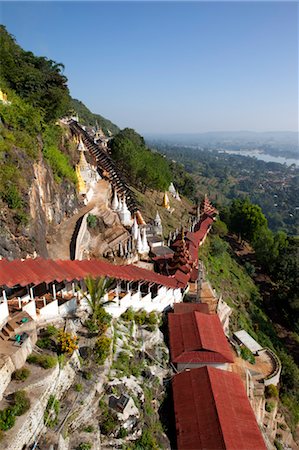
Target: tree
x: 247, y: 219
x: 97, y: 288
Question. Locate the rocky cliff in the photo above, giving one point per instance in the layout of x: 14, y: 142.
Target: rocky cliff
x: 49, y: 203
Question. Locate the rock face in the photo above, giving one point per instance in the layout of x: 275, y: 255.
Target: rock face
x: 49, y: 203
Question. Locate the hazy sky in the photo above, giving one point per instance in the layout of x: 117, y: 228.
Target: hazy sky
x: 172, y: 66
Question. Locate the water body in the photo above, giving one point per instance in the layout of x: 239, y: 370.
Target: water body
x: 264, y: 157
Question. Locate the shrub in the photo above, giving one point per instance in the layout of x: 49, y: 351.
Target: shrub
x: 66, y: 342
x: 87, y: 375
x: 52, y: 330
x: 84, y: 446
x: 271, y: 391
x: 128, y: 315
x: 7, y: 419
x: 102, y: 349
x: 247, y: 355
x: 269, y: 406
x: 140, y: 317
x: 21, y: 374
x: 92, y: 221
x: 78, y: 387
x: 44, y: 342
x: 91, y: 325
x: 146, y: 441
x: 52, y: 412
x: 218, y: 246
x: 108, y: 422
x: 44, y: 361
x: 122, y: 433
x: 21, y: 403
x: 89, y: 429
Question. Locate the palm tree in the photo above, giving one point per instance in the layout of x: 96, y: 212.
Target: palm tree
x: 97, y: 288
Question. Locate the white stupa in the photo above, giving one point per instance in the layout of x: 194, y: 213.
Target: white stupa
x: 124, y: 214
x: 139, y: 242
x: 145, y: 246
x: 134, y: 230
x: 158, y: 225
x: 171, y: 189
x: 115, y: 202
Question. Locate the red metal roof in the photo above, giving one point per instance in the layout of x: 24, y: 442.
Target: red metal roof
x: 189, y: 307
x: 39, y: 270
x: 212, y: 412
x: 196, y: 337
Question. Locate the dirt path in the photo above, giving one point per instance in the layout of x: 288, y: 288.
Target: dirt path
x: 59, y: 245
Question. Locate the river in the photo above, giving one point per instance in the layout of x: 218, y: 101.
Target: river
x: 264, y: 156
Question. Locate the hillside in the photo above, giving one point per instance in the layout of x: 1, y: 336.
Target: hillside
x: 86, y: 117
x: 38, y: 182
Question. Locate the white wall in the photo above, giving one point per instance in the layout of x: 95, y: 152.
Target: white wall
x: 4, y: 313
x: 30, y: 309
x: 67, y: 307
x: 49, y: 311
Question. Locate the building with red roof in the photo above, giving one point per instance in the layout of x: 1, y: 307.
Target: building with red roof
x: 189, y: 307
x: 197, y: 339
x: 212, y: 412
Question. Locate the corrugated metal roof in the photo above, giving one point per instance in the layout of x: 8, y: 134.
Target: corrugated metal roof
x: 196, y: 337
x: 39, y: 270
x: 212, y: 412
x: 189, y: 307
x: 248, y: 341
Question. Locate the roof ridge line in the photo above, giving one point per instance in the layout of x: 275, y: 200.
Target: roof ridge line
x: 215, y: 403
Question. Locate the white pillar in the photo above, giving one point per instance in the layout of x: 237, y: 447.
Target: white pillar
x: 73, y: 288
x: 4, y: 296
x: 31, y: 293
x: 19, y: 300
x: 54, y: 291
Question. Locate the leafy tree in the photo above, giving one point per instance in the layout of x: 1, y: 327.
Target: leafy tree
x: 97, y: 288
x: 142, y: 166
x: 39, y: 80
x: 247, y: 219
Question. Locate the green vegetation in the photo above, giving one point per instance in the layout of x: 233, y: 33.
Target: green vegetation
x: 88, y: 429
x: 240, y: 292
x: 92, y: 221
x: 87, y: 375
x: 96, y: 290
x: 21, y: 374
x: 271, y: 391
x: 20, y: 404
x: 108, y: 420
x: 143, y: 167
x: 58, y: 160
x: 86, y: 117
x: 276, y: 253
x: 38, y: 80
x: 44, y: 361
x: 102, y: 349
x: 247, y: 355
x: 141, y: 317
x: 269, y: 406
x: 78, y: 387
x: 84, y: 446
x: 272, y: 186
x: 52, y: 412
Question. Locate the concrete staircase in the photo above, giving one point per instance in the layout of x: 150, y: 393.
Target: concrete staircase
x: 106, y: 166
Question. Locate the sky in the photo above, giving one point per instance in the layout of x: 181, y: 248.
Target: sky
x: 171, y: 67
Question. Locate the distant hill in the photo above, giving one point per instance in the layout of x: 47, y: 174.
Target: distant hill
x: 86, y: 117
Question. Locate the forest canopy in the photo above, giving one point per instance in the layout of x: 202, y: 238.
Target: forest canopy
x: 36, y: 79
